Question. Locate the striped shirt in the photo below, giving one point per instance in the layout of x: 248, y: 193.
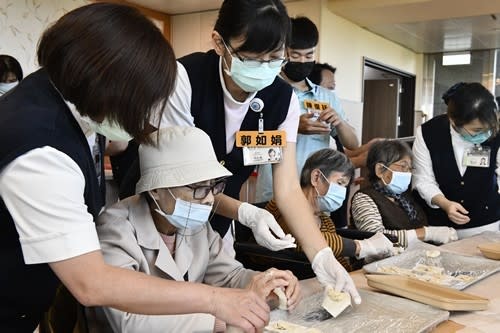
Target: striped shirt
x: 338, y: 244
x: 366, y: 217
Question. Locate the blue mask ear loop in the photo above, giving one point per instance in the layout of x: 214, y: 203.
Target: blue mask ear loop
x: 161, y: 212
x: 228, y: 72
x: 319, y: 195
x: 383, y: 181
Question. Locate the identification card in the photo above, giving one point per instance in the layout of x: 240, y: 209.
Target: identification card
x: 261, y: 147
x: 477, y: 156
x: 256, y: 156
x: 315, y: 107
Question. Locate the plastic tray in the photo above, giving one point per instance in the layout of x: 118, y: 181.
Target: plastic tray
x: 427, y: 293
x: 468, y: 246
x: 454, y: 265
x: 377, y: 313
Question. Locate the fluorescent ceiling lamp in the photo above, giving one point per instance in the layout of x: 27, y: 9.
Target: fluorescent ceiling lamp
x: 456, y: 59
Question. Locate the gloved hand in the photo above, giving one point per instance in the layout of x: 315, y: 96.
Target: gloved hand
x: 440, y: 235
x: 376, y: 246
x: 260, y: 221
x: 330, y: 272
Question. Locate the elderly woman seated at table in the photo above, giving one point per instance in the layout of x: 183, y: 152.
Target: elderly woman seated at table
x: 164, y: 231
x: 387, y: 205
x: 324, y: 179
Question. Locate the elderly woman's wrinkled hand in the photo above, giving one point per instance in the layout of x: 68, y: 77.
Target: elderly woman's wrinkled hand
x: 264, y: 283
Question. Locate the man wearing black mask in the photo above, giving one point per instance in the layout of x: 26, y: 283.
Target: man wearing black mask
x: 322, y: 115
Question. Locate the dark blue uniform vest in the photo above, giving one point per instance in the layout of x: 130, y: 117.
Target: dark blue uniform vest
x: 33, y: 115
x: 476, y: 190
x: 207, y: 109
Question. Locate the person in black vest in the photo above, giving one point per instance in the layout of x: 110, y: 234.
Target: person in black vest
x: 457, y: 190
x: 114, y: 66
x: 217, y: 91
x: 386, y: 205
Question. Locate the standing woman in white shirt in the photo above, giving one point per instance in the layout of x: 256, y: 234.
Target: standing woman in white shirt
x: 115, y: 66
x: 457, y: 165
x: 215, y: 91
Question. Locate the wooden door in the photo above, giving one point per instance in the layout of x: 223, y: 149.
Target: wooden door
x: 380, y: 109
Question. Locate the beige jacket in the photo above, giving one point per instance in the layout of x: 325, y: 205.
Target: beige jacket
x: 129, y: 239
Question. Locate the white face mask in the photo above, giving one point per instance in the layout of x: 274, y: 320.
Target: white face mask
x: 186, y: 215
x: 4, y: 87
x: 111, y: 130
x: 251, y: 78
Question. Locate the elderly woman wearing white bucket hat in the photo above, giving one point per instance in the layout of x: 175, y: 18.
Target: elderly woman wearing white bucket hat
x: 163, y: 231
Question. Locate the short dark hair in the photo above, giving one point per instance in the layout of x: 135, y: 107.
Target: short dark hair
x: 385, y: 152
x: 9, y: 64
x: 469, y: 101
x: 316, y: 74
x: 327, y: 160
x: 110, y: 61
x: 264, y: 24
x: 304, y: 33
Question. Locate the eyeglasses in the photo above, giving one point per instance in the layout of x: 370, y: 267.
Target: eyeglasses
x: 473, y: 135
x: 254, y: 63
x: 403, y: 167
x: 200, y: 192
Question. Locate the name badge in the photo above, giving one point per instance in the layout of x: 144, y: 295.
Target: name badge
x: 315, y: 107
x: 261, y: 147
x: 477, y: 156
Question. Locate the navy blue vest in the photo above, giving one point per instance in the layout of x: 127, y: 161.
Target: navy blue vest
x: 476, y: 190
x: 207, y: 109
x: 34, y: 115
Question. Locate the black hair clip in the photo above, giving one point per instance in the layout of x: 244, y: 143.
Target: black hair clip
x: 450, y: 92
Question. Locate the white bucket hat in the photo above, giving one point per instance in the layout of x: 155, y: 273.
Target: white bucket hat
x: 182, y: 156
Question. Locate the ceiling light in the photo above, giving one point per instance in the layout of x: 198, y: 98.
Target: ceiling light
x: 451, y: 59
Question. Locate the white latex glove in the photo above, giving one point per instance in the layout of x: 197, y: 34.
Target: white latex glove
x: 330, y: 272
x: 440, y: 235
x: 376, y: 246
x: 261, y: 222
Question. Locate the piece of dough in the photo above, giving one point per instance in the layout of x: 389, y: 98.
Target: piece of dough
x: 282, y: 298
x: 335, y: 302
x: 282, y: 326
x: 432, y: 253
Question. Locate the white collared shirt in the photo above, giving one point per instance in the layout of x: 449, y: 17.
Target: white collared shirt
x: 424, y: 180
x: 43, y: 191
x: 178, y: 109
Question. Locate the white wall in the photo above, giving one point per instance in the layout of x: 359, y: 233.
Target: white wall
x: 22, y: 23
x: 192, y: 32
x: 344, y: 44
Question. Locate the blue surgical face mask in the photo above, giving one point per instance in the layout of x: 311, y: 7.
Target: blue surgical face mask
x: 4, y: 86
x: 111, y: 130
x: 186, y: 215
x: 476, y: 139
x: 250, y: 78
x: 334, y: 197
x: 400, y: 181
